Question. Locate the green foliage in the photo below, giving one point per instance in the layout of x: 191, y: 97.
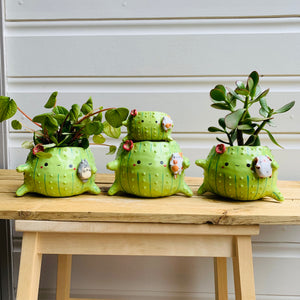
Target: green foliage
x: 238, y: 122
x: 61, y: 127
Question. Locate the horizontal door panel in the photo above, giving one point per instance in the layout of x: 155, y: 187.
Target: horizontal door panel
x: 100, y: 9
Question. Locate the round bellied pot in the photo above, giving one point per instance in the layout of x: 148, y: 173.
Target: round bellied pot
x: 148, y: 126
x: 240, y: 172
x: 149, y: 169
x: 62, y: 172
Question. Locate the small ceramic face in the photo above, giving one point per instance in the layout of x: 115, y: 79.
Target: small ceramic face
x: 176, y: 163
x: 230, y: 172
x: 84, y: 170
x: 148, y: 126
x: 145, y: 171
x: 262, y: 166
x: 67, y: 172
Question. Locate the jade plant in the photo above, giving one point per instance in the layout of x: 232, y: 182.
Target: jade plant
x: 239, y: 126
x: 61, y: 127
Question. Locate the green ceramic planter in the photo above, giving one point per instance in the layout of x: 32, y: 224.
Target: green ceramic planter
x: 149, y: 169
x: 69, y: 171
x: 148, y: 126
x: 240, y: 172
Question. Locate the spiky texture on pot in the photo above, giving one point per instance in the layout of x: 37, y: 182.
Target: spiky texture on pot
x: 232, y: 175
x: 57, y: 176
x: 145, y: 171
x: 147, y: 126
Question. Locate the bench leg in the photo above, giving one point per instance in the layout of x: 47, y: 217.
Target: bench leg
x: 220, y: 266
x: 243, y: 269
x: 64, y: 267
x: 30, y: 268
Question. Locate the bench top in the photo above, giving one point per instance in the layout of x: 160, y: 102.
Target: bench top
x: 208, y: 208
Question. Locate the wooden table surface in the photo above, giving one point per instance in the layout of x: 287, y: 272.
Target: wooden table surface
x: 208, y: 208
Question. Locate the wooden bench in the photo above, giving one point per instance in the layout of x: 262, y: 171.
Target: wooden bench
x: 123, y: 225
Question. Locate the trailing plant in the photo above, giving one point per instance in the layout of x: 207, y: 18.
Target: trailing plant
x: 238, y: 123
x: 61, y: 127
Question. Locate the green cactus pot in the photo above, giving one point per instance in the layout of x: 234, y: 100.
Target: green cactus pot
x: 148, y: 126
x: 240, y: 172
x: 66, y: 172
x: 146, y: 169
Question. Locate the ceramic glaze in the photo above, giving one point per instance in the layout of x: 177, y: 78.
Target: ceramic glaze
x: 230, y: 172
x: 69, y: 171
x: 145, y: 170
x: 148, y: 126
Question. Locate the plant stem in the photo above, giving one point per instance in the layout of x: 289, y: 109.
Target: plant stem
x: 239, y: 137
x: 61, y: 126
x: 22, y: 112
x: 94, y: 113
x: 258, y: 129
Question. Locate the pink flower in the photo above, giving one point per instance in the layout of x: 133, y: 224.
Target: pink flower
x: 134, y: 112
x: 220, y: 149
x: 37, y: 148
x: 128, y: 145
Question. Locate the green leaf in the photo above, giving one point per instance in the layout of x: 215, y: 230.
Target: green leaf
x: 85, y: 143
x: 245, y: 127
x: 111, y: 131
x: 41, y: 118
x: 253, y: 140
x: 16, y: 125
x: 27, y: 145
x: 94, y: 128
x: 54, y: 139
x: 221, y: 122
x: 264, y: 105
x: 50, y: 124
x: 285, y: 108
x: 112, y: 150
x: 252, y: 83
x: 87, y: 107
x: 115, y: 117
x: 272, y: 138
x: 8, y: 108
x: 98, y: 139
x: 218, y: 94
x: 51, y: 101
x: 47, y: 146
x: 60, y: 110
x: 240, y: 84
x: 222, y: 106
x: 257, y: 119
x: 214, y: 129
x: 255, y: 77
x: 263, y: 113
x: 221, y: 87
x: 262, y: 95
x: 98, y: 117
x: 74, y: 112
x: 243, y: 92
x: 232, y: 120
x: 60, y: 118
x: 235, y: 95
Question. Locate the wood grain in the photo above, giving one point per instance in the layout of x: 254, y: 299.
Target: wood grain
x: 208, y: 208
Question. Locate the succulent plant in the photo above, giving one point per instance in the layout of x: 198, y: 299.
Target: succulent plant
x: 61, y: 127
x: 238, y: 123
